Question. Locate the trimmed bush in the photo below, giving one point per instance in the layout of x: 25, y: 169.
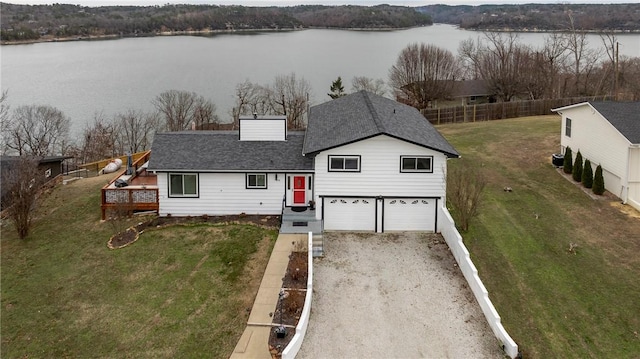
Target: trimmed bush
x: 587, y: 174
x: 577, y: 167
x: 598, y: 181
x: 567, y: 165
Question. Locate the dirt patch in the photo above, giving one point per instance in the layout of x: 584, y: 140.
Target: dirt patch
x: 123, y: 239
x: 290, y: 303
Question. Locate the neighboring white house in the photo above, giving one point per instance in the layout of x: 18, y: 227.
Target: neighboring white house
x: 608, y: 134
x: 366, y: 162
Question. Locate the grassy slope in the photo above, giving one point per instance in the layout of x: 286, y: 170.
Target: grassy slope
x: 553, y: 303
x: 175, y: 292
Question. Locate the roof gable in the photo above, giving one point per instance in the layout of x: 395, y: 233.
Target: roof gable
x: 221, y: 151
x: 362, y: 115
x: 624, y: 116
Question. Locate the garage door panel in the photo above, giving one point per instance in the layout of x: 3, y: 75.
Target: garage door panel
x: 349, y: 214
x: 409, y: 214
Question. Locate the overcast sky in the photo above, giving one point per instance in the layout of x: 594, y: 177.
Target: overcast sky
x: 307, y: 2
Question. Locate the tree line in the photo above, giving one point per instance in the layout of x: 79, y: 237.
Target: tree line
x: 33, y: 22
x: 538, y: 17
x: 565, y: 66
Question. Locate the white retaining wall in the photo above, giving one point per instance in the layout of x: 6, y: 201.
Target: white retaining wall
x: 447, y: 227
x: 292, y: 349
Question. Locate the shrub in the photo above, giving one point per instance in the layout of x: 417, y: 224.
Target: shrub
x: 598, y: 181
x: 577, y: 168
x: 568, y: 161
x: 587, y: 174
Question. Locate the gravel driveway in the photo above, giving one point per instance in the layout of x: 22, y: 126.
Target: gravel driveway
x: 393, y: 296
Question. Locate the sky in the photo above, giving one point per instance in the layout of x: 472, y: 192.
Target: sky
x: 308, y: 2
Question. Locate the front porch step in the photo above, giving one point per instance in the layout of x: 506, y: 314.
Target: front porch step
x: 290, y: 215
x: 317, y: 245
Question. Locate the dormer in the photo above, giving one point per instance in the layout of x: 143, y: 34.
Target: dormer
x: 263, y: 128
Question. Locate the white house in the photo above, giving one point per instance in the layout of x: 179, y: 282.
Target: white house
x: 365, y: 162
x: 608, y: 134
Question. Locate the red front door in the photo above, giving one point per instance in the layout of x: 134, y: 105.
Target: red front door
x: 299, y: 190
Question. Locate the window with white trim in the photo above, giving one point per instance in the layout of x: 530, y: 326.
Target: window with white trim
x: 183, y: 185
x: 344, y: 163
x: 416, y: 164
x: 567, y: 127
x: 256, y: 180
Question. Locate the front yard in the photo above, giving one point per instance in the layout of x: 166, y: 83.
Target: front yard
x: 179, y: 291
x: 554, y: 303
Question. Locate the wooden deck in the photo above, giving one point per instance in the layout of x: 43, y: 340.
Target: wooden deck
x: 141, y: 193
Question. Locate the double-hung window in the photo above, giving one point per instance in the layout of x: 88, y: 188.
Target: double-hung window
x: 416, y: 164
x: 256, y: 180
x: 344, y: 163
x: 183, y: 185
x: 567, y: 127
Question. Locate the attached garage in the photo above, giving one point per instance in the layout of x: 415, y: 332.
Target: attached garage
x: 379, y: 214
x: 349, y: 214
x: 409, y: 214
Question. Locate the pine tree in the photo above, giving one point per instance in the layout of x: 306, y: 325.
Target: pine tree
x: 577, y: 167
x: 337, y: 90
x: 568, y: 161
x: 598, y: 181
x: 587, y: 174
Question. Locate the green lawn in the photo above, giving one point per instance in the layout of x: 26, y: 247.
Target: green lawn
x: 176, y: 292
x: 553, y: 303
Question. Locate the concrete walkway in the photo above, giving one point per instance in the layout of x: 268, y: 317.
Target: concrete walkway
x: 254, y: 342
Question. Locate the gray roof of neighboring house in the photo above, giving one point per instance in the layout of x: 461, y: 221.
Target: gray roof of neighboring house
x: 466, y: 88
x: 223, y: 151
x: 362, y: 115
x: 624, y: 116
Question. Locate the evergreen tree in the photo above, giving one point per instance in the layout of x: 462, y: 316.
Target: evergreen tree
x: 587, y: 174
x: 598, y: 181
x: 568, y: 161
x: 337, y: 90
x: 577, y: 167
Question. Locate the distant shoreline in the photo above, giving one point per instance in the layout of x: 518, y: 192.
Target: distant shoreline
x: 48, y: 39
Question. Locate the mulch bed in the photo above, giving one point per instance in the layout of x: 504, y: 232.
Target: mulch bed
x: 130, y: 235
x: 289, y: 307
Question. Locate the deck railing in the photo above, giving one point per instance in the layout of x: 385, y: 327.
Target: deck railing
x: 131, y: 198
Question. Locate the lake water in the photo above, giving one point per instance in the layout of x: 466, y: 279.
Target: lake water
x: 84, y: 77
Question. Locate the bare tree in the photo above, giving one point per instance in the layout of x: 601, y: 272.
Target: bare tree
x: 582, y: 58
x: 288, y: 95
x: 36, y: 131
x: 181, y: 109
x: 21, y: 183
x: 97, y: 141
x: 376, y: 86
x: 496, y: 58
x: 465, y: 184
x: 134, y: 130
x: 423, y: 73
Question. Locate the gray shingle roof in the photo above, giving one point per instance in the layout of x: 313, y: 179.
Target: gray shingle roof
x: 361, y: 115
x: 222, y: 151
x: 624, y: 116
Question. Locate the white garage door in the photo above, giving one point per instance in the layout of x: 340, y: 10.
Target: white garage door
x: 409, y: 214
x: 350, y: 214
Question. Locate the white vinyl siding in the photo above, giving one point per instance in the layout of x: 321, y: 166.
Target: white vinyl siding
x: 224, y: 194
x: 379, y: 171
x: 600, y: 142
x: 262, y: 129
